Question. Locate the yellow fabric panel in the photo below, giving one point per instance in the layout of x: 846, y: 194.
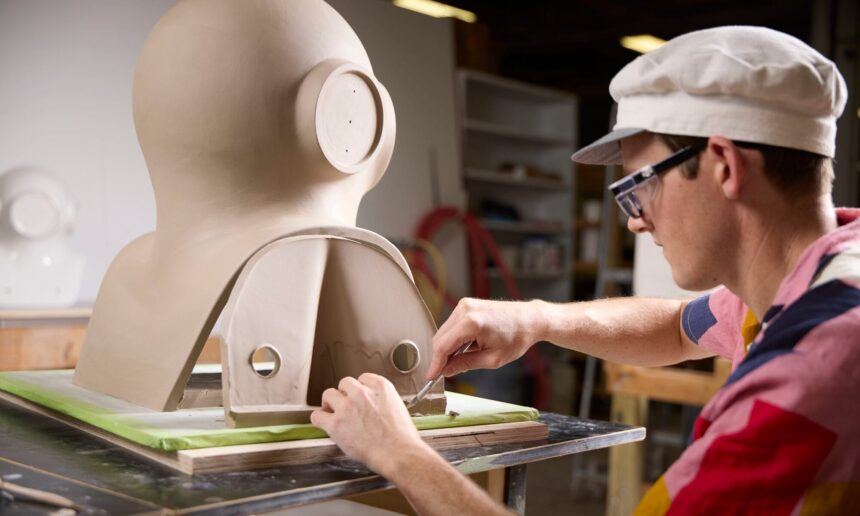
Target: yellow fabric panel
x: 832, y: 498
x: 749, y: 329
x: 656, y: 500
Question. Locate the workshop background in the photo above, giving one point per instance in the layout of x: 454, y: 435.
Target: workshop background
x: 491, y: 98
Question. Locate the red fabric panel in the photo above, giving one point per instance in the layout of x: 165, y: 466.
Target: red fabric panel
x: 700, y: 427
x: 765, y: 468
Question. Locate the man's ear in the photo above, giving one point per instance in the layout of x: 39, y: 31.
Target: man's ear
x: 727, y: 165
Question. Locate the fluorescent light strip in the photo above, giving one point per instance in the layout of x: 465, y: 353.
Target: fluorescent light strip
x: 437, y: 9
x: 642, y: 43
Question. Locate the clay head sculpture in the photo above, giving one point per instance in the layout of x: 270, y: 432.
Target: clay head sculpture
x: 262, y: 126
x: 38, y: 268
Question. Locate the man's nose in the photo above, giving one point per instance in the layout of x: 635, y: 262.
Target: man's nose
x: 638, y: 224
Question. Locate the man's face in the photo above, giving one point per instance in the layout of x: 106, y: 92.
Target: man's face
x: 681, y: 214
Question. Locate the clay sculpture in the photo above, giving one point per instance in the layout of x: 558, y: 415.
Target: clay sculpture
x: 262, y: 126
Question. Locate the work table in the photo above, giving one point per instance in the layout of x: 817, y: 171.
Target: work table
x: 38, y: 452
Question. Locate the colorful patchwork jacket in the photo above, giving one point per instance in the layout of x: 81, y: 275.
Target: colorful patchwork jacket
x: 783, y: 435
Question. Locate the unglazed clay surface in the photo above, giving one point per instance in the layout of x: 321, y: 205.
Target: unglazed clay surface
x: 317, y: 301
x: 260, y: 121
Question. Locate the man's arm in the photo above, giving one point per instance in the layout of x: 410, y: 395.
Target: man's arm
x: 632, y: 330
x: 638, y: 331
x: 433, y: 486
x: 367, y: 419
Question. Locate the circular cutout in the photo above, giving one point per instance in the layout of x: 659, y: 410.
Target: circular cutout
x: 265, y: 361
x: 405, y: 356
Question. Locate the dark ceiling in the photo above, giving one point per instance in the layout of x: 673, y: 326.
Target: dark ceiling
x: 574, y: 45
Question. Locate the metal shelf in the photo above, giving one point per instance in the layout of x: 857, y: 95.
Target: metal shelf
x: 538, y: 228
x: 503, y: 178
x: 527, y: 275
x: 511, y: 133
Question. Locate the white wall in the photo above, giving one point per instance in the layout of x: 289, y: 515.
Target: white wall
x: 652, y: 276
x: 65, y: 105
x: 413, y: 56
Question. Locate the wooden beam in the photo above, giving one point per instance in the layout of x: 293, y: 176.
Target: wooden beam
x: 626, y: 462
x: 666, y: 384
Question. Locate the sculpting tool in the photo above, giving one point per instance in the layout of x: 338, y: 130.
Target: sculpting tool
x: 11, y: 492
x: 430, y: 383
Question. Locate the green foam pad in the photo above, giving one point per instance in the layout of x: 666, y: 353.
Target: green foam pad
x: 204, y: 427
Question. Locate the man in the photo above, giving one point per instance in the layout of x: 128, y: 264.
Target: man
x: 727, y: 136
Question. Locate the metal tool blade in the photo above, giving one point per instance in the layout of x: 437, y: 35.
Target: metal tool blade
x: 430, y: 383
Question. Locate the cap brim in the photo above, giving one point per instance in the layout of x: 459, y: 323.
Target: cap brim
x: 607, y: 150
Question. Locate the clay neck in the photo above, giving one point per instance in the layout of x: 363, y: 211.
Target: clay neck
x: 193, y: 211
x: 771, y: 245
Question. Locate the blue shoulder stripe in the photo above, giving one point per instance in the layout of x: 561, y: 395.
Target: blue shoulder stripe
x: 815, y: 307
x: 697, y: 318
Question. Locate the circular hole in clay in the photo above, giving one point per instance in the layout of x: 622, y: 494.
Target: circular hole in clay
x: 265, y: 361
x: 405, y: 356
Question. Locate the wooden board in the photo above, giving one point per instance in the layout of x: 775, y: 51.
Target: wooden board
x: 45, y: 314
x: 40, y: 347
x: 268, y: 455
x: 36, y: 340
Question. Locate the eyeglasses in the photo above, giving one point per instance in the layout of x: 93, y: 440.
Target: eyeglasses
x: 625, y: 188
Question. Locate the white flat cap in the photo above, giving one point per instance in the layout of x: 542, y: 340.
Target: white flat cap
x: 748, y: 84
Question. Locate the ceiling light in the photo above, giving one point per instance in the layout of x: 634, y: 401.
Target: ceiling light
x: 642, y: 43
x: 437, y: 9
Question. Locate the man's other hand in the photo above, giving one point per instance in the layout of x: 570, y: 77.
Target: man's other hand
x: 368, y: 421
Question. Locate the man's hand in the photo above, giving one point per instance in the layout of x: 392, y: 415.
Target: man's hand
x: 502, y: 330
x: 369, y: 422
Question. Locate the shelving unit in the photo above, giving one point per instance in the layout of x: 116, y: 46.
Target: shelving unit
x: 600, y: 219
x: 493, y: 177
x: 517, y: 139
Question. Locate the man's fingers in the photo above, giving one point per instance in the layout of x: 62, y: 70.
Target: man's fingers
x: 334, y: 399
x: 321, y: 419
x: 443, y: 346
x: 459, y: 364
x: 451, y: 323
x: 371, y: 379
x: 470, y: 360
x: 443, y: 350
x: 436, y: 365
x: 348, y: 385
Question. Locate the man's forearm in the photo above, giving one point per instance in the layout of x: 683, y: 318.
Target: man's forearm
x: 638, y: 331
x: 433, y: 486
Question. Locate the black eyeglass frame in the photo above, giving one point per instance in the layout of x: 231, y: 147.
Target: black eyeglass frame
x: 623, y: 190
